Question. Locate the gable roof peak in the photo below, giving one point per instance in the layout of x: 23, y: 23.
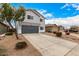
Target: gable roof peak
x: 36, y: 12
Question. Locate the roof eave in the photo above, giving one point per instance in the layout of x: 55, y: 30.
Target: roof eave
x: 36, y: 12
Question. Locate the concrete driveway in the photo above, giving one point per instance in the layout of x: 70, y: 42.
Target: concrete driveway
x: 52, y: 46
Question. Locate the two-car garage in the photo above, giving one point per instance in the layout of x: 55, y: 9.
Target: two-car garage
x: 30, y: 29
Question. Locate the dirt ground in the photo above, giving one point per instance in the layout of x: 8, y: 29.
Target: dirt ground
x: 9, y: 43
x: 66, y: 37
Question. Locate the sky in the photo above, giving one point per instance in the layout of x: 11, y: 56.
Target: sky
x: 66, y: 14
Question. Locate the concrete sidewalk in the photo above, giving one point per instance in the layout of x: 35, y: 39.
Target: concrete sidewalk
x: 52, y: 46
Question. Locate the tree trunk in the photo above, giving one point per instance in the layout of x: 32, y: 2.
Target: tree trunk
x: 14, y: 30
x: 16, y: 34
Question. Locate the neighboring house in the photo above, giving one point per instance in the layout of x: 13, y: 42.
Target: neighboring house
x: 34, y: 22
x: 3, y: 28
x: 51, y: 27
x: 74, y: 29
x: 61, y: 28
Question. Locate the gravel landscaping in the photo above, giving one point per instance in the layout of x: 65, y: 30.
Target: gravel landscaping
x: 66, y: 37
x: 9, y: 42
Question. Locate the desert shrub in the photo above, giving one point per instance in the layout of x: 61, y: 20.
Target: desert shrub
x: 54, y: 32
x: 67, y: 33
x: 9, y: 33
x: 58, y: 34
x: 20, y: 45
x: 11, y: 30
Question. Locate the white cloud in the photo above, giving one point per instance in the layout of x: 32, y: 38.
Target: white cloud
x: 48, y: 15
x: 42, y: 11
x: 74, y: 5
x: 64, y: 6
x: 77, y: 8
x: 45, y: 13
x: 64, y: 21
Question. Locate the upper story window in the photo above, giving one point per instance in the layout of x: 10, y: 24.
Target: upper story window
x: 41, y: 28
x: 29, y: 17
x: 41, y: 20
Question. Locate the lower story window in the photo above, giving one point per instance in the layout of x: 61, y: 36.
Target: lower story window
x: 41, y: 28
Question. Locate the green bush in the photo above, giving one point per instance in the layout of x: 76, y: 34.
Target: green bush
x: 9, y: 33
x: 20, y: 45
x: 58, y: 34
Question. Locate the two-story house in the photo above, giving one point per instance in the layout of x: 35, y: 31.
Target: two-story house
x: 34, y: 22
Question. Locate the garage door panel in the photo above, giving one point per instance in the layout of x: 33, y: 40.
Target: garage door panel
x: 29, y: 29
